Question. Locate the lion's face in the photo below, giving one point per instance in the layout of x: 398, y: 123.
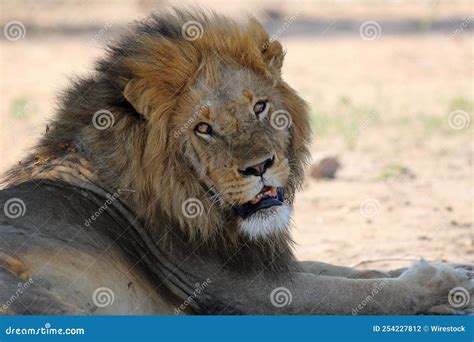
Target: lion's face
x: 221, y: 126
x: 237, y: 140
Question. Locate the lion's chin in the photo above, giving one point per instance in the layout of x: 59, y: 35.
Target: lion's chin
x: 266, y: 222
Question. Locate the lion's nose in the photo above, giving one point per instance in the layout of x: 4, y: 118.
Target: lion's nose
x: 258, y: 169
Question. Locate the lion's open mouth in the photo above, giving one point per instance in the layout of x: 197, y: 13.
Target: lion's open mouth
x: 268, y: 197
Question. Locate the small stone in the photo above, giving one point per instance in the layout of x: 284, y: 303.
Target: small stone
x: 325, y: 168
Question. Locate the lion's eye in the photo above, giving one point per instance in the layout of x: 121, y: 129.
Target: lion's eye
x: 203, y: 128
x: 260, y: 107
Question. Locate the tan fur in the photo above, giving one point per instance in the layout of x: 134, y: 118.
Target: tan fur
x: 163, y: 90
x: 158, y: 87
x: 169, y: 81
x: 16, y: 266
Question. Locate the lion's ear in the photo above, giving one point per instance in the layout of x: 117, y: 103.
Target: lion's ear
x: 136, y: 94
x: 273, y: 55
x: 270, y: 49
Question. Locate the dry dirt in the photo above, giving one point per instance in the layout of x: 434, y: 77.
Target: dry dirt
x: 405, y: 188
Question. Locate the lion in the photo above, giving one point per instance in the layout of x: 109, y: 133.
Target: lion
x: 165, y: 185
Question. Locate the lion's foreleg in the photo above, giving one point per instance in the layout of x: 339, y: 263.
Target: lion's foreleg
x: 421, y: 289
x: 308, y: 294
x: 321, y: 268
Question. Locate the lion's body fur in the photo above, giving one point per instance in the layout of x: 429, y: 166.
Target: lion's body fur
x: 64, y: 263
x: 138, y: 152
x: 153, y: 81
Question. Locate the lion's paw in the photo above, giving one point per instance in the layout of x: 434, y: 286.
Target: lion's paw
x: 441, y: 289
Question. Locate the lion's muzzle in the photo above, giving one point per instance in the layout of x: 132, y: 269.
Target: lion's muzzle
x: 268, y: 197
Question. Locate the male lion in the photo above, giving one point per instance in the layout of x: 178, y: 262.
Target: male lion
x: 165, y: 185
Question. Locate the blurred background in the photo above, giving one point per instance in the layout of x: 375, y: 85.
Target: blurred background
x: 390, y: 85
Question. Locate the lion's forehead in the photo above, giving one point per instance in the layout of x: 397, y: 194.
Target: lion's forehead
x: 228, y: 83
x: 228, y: 102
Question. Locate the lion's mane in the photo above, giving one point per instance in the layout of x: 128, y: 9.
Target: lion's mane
x: 143, y: 80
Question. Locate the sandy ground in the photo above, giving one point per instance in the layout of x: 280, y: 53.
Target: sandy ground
x: 405, y: 189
